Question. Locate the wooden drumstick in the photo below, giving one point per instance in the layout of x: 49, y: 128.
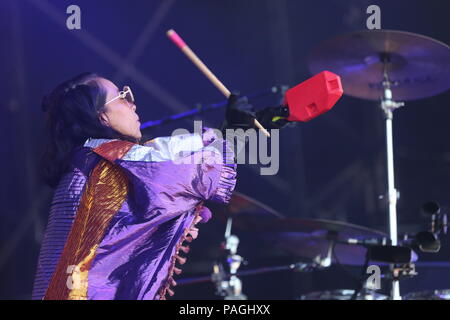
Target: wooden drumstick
x: 203, y: 68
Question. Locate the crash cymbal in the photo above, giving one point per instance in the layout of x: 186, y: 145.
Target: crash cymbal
x: 417, y: 65
x: 301, y: 238
x: 244, y: 210
x: 309, y: 238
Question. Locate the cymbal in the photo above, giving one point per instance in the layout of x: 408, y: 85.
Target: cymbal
x: 244, y: 210
x: 418, y: 66
x: 309, y: 238
x: 302, y: 238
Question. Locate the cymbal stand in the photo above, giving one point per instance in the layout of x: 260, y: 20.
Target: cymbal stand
x: 388, y: 106
x: 228, y: 284
x: 321, y: 261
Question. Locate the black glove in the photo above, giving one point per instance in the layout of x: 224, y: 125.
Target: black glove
x: 239, y: 113
x: 267, y: 115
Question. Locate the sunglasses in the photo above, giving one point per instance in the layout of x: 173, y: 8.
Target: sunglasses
x: 126, y: 94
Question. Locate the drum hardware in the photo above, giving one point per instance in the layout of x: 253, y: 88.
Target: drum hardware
x: 366, y: 290
x: 225, y: 275
x: 321, y: 242
x: 428, y: 241
x: 227, y: 282
x: 363, y: 277
x: 429, y: 295
x: 400, y: 259
x: 407, y: 270
x: 388, y: 106
x: 374, y: 65
x: 402, y: 256
x: 343, y: 294
x: 325, y: 261
x: 439, y: 221
x: 382, y: 64
x: 424, y: 241
x: 315, y: 240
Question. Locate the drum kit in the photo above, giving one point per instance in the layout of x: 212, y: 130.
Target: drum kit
x: 380, y: 65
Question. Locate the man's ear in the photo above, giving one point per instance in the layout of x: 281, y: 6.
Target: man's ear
x: 104, y: 119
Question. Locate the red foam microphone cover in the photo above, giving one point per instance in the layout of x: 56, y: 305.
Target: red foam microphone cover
x: 314, y: 96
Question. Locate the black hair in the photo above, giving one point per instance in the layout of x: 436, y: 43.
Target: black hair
x: 72, y: 110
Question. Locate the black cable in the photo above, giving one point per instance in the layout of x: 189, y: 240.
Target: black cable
x: 344, y: 268
x: 362, y: 276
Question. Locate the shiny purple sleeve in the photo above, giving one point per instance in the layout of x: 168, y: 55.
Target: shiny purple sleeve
x: 167, y: 178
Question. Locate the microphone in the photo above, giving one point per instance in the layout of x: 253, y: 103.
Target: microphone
x: 427, y: 241
x: 439, y: 221
x: 313, y: 97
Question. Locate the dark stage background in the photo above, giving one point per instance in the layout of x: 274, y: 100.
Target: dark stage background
x: 332, y: 167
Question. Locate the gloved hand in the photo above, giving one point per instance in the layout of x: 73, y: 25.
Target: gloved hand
x: 267, y: 115
x: 239, y: 113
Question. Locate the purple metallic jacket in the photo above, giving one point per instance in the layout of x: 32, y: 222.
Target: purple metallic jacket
x: 139, y: 251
